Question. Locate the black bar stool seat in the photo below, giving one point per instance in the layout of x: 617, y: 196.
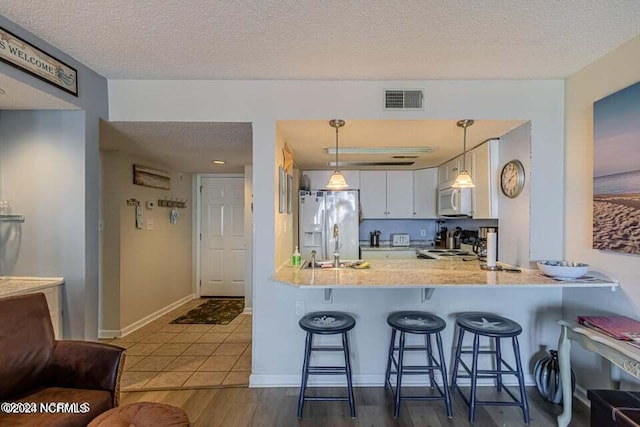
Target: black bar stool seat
x: 494, y: 327
x: 326, y: 323
x: 421, y: 323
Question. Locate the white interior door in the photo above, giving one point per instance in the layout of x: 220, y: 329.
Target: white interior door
x: 222, y: 247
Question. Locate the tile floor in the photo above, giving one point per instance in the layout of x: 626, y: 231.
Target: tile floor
x: 164, y: 356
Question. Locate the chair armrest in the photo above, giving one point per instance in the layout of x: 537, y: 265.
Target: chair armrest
x: 88, y: 365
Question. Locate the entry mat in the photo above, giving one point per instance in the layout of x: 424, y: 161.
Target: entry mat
x: 216, y: 311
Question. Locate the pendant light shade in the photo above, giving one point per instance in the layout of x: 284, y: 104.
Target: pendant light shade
x: 463, y: 180
x: 337, y: 181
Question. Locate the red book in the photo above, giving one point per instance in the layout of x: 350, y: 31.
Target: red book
x: 618, y: 327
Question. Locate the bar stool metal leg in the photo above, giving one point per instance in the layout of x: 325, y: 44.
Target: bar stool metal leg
x: 347, y: 364
x: 498, y: 365
x: 456, y: 360
x: 523, y: 393
x: 396, y: 409
x: 387, y: 377
x: 474, y: 378
x: 443, y: 370
x: 305, y: 372
x: 432, y: 380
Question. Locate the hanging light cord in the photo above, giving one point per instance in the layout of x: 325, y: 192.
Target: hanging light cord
x: 464, y: 149
x: 336, y: 148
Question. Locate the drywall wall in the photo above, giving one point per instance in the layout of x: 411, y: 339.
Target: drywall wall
x: 515, y: 214
x: 155, y: 264
x: 616, y: 70
x: 80, y: 317
x: 264, y: 103
x: 42, y: 162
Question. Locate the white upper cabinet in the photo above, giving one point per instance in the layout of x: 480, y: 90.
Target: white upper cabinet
x: 400, y: 194
x: 373, y: 194
x: 449, y: 171
x: 319, y: 179
x: 386, y: 194
x: 484, y: 172
x: 425, y: 187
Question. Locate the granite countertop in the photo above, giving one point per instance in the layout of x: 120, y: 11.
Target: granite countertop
x: 411, y: 273
x: 12, y: 285
x: 386, y: 246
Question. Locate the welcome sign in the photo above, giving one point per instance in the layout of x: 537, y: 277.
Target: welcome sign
x: 23, y: 55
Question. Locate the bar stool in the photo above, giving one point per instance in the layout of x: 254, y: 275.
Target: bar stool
x: 421, y: 323
x: 326, y: 323
x: 496, y: 327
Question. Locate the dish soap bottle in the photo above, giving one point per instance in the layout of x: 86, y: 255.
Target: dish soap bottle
x: 295, y: 258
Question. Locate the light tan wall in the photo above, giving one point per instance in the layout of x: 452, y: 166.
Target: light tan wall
x: 155, y: 265
x: 614, y: 71
x: 110, y: 241
x: 283, y: 221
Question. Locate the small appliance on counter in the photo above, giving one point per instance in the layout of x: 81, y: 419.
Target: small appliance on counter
x: 374, y: 238
x: 400, y: 239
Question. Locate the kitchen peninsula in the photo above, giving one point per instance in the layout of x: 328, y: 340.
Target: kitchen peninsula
x: 420, y: 273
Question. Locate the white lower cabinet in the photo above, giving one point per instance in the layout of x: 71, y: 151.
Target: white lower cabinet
x: 382, y: 254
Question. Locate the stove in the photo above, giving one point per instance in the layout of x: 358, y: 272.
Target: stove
x: 443, y: 253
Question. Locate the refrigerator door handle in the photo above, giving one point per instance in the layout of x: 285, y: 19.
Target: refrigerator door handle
x: 324, y: 236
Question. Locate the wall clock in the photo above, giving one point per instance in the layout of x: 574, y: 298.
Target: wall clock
x: 512, y: 179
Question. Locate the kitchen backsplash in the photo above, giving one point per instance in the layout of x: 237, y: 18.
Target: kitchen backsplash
x: 414, y: 226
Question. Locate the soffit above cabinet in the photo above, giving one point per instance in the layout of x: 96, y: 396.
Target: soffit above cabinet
x: 308, y: 140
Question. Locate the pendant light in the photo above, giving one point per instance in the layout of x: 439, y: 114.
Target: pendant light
x: 463, y: 180
x: 337, y: 181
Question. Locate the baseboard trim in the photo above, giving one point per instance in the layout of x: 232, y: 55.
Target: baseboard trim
x: 247, y: 310
x: 105, y: 333
x: 359, y: 380
x: 581, y: 395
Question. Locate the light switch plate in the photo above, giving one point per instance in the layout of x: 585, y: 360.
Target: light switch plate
x: 149, y: 224
x: 300, y: 308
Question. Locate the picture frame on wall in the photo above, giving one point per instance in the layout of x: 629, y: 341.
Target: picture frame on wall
x: 616, y: 171
x: 281, y: 190
x: 289, y: 193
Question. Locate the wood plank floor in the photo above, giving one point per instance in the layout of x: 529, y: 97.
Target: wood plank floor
x: 277, y: 407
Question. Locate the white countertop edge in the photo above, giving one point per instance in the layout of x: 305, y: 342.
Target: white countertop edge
x: 611, y: 285
x: 51, y: 280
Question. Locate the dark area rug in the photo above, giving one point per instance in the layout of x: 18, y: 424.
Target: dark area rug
x: 218, y: 311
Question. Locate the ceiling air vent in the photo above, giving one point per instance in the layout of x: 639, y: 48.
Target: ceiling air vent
x: 403, y: 99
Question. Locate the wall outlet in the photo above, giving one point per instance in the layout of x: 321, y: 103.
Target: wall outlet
x: 423, y: 233
x: 300, y: 308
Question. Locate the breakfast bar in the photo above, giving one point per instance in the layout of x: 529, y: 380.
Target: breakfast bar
x: 429, y: 274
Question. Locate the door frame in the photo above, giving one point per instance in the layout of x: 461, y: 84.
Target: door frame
x: 197, y: 220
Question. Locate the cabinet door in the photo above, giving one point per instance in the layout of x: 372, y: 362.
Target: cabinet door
x: 484, y: 171
x: 382, y: 254
x: 442, y: 174
x: 399, y: 194
x: 373, y: 199
x: 425, y: 186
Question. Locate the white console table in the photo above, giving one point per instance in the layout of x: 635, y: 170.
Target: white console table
x: 621, y: 355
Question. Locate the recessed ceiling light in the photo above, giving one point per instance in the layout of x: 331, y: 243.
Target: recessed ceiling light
x: 219, y: 162
x: 380, y: 150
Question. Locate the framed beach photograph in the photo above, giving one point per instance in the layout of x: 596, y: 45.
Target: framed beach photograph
x: 282, y: 196
x: 616, y: 171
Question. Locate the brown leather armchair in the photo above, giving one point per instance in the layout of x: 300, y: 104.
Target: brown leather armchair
x: 34, y: 367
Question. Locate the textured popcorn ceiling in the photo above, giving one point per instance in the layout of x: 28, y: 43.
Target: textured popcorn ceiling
x: 183, y: 146
x: 357, y: 39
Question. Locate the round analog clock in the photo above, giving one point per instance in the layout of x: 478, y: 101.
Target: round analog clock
x: 512, y: 179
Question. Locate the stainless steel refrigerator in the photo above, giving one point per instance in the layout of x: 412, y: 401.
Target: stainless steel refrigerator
x: 319, y: 211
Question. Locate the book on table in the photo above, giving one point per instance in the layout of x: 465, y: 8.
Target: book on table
x: 618, y: 327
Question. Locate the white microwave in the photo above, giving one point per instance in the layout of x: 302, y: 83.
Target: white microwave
x: 454, y: 202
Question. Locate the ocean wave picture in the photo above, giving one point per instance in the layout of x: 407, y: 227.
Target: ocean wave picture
x: 616, y: 171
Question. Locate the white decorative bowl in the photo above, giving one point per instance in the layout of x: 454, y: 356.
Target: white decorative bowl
x: 563, y: 269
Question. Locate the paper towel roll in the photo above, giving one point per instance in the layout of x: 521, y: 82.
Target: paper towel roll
x: 492, y: 247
